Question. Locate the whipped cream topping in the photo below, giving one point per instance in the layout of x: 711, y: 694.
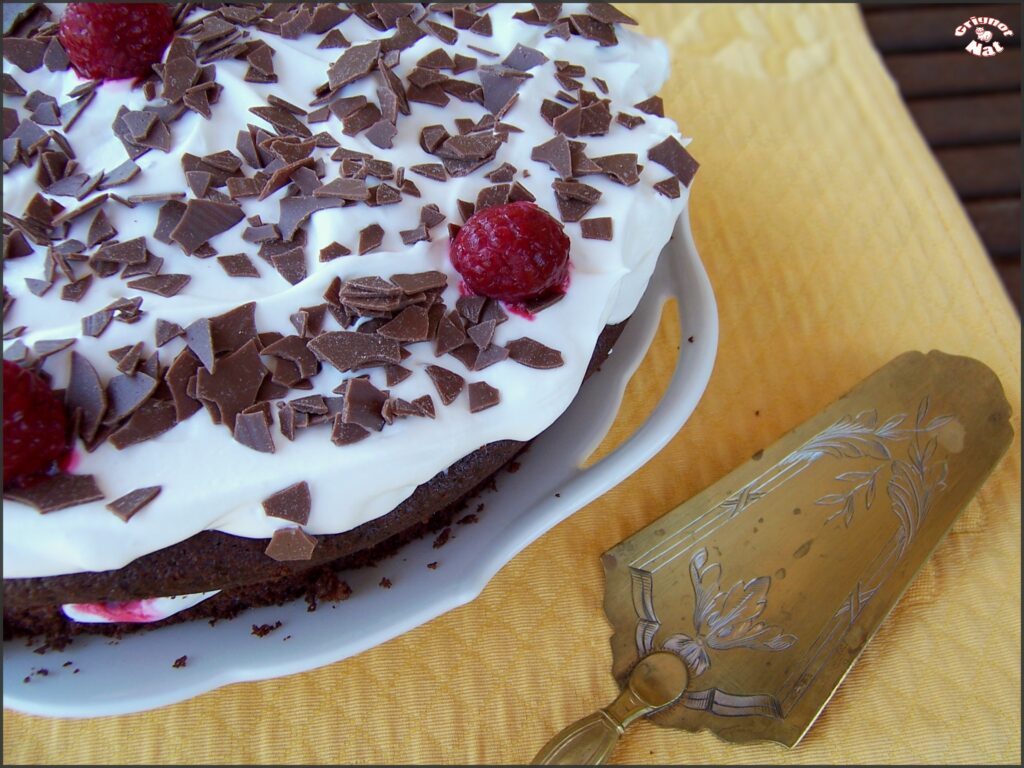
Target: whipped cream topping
x: 211, y: 482
x: 134, y: 611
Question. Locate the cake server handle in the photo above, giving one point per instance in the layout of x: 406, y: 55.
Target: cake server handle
x: 655, y: 682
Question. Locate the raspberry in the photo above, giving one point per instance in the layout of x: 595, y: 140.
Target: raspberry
x: 110, y: 41
x: 512, y: 252
x: 34, y: 425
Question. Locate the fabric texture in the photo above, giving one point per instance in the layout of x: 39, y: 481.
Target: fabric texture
x: 834, y: 243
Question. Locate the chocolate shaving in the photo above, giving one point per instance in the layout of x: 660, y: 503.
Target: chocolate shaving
x: 447, y: 383
x: 162, y: 285
x: 669, y: 187
x: 166, y: 330
x: 533, y: 354
x: 25, y: 53
x: 253, y: 431
x: 347, y: 434
x: 363, y: 404
x: 59, y: 491
x: 598, y: 228
x: 288, y: 544
x: 234, y: 385
x: 202, y: 220
x: 151, y: 420
x: 396, y: 374
x: 555, y: 153
x: 129, y: 505
x: 370, y: 238
x: 652, y: 106
x: 126, y: 394
x: 673, y: 156
x: 355, y: 63
x: 348, y: 351
x: 292, y: 504
x: 630, y: 121
x: 334, y: 38
x: 238, y: 265
x: 291, y: 264
x: 333, y: 251
x: 499, y: 85
x: 76, y: 290
x: 621, y: 168
x: 167, y: 219
x: 592, y: 29
x: 482, y: 396
x: 85, y: 392
x: 95, y: 324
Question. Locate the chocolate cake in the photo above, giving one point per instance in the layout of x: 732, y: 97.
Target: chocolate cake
x: 235, y: 271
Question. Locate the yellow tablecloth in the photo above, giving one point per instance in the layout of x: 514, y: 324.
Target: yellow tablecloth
x: 833, y: 243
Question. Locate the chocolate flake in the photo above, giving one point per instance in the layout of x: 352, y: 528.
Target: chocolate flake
x: 85, y: 392
x: 533, y: 354
x: 74, y: 291
x: 482, y: 396
x: 25, y: 53
x: 672, y: 155
x: 333, y: 251
x: 396, y: 374
x: 202, y: 220
x: 154, y: 418
x: 45, y: 348
x: 166, y: 330
x: 669, y: 187
x: 59, y: 491
x: 621, y: 168
x: 597, y: 229
x: 652, y: 106
x: 348, y: 350
x: 555, y: 153
x: 420, y: 282
x: 447, y: 383
x: 291, y: 265
x: 238, y: 265
x: 288, y: 544
x: 292, y: 504
x: 630, y: 121
x: 363, y: 404
x: 252, y: 430
x: 370, y: 238
x: 162, y: 285
x: 411, y: 236
x: 125, y: 394
x: 129, y: 505
x: 94, y: 324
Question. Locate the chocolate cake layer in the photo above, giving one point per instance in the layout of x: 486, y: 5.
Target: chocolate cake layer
x: 239, y: 566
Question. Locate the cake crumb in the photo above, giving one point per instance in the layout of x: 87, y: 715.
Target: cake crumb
x: 468, y: 519
x: 479, y: 507
x: 44, y: 672
x: 67, y: 664
x: 513, y: 467
x: 432, y: 566
x: 286, y: 637
x: 262, y: 630
x: 27, y: 680
x: 180, y: 662
x: 558, y: 495
x: 690, y: 339
x: 77, y: 670
x: 385, y: 583
x: 442, y: 538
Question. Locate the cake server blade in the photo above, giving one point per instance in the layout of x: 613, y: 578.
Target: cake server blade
x: 742, y: 610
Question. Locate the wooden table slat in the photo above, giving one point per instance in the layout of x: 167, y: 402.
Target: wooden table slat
x: 931, y: 28
x: 954, y: 73
x: 968, y: 119
x: 998, y: 225
x: 982, y: 171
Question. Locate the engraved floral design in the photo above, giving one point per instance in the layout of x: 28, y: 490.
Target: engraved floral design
x: 861, y: 437
x: 725, y: 620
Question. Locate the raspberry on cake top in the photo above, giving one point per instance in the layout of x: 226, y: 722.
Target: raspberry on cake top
x: 238, y: 270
